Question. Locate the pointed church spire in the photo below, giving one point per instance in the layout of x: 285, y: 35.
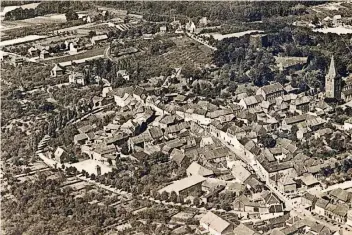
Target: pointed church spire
x: 332, y: 70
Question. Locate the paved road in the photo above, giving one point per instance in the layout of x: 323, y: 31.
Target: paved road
x: 287, y: 201
x: 107, y: 53
x: 204, y: 43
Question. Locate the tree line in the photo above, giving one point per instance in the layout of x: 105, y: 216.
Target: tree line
x: 51, y: 7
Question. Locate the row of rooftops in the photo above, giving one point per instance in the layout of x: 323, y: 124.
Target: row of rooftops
x: 208, y: 110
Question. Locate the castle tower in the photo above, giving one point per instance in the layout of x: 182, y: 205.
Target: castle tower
x: 332, y: 82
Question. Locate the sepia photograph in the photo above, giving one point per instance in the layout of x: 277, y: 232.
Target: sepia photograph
x: 176, y: 117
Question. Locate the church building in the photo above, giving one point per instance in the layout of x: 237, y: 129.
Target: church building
x: 332, y: 82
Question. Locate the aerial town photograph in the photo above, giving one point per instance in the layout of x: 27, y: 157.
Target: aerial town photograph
x: 176, y: 117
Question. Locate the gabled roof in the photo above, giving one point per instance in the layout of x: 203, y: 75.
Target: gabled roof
x: 183, y: 184
x: 80, y: 136
x: 272, y: 88
x: 214, y: 222
x: 271, y: 199
x: 254, y: 99
x: 100, y: 37
x: 196, y: 169
x: 308, y: 180
x: 295, y: 119
x: 144, y: 137
x: 340, y: 194
x: 242, y: 229
x: 240, y: 173
x: 58, y: 67
x: 155, y: 132
x: 177, y: 156
x: 322, y: 203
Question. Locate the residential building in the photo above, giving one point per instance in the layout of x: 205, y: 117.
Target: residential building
x: 61, y: 155
x: 58, y: 70
x: 99, y: 38
x: 320, y: 206
x: 77, y: 78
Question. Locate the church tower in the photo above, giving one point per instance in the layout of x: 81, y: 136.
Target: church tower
x: 332, y: 82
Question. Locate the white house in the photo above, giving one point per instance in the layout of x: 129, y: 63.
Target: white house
x: 98, y: 38
x: 76, y: 78
x: 72, y: 49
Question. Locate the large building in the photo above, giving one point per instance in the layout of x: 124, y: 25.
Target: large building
x: 272, y: 91
x: 332, y: 82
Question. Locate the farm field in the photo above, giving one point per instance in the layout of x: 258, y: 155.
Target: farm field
x: 40, y: 20
x: 52, y: 18
x: 181, y: 55
x: 186, y: 52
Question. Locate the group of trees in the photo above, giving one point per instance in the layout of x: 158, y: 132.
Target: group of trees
x: 160, y: 47
x: 135, y: 32
x: 48, y: 8
x: 225, y: 11
x: 243, y: 64
x: 52, y: 209
x: 106, y: 69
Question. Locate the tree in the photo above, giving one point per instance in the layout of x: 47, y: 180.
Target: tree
x: 92, y: 34
x: 267, y: 141
x: 71, y: 15
x: 124, y: 148
x: 92, y: 176
x: 173, y: 197
x: 196, y: 201
x: 225, y: 206
x: 164, y: 196
x: 315, y: 20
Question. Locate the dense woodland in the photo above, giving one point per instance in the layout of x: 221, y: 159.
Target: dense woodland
x: 45, y: 8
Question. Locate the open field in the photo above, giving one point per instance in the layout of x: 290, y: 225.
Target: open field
x: 80, y: 56
x: 25, y: 39
x: 90, y: 166
x: 52, y: 18
x: 338, y: 30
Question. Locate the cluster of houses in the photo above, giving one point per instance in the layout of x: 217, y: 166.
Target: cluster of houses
x: 221, y: 146
x: 215, y: 224
x: 217, y: 145
x: 334, y: 205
